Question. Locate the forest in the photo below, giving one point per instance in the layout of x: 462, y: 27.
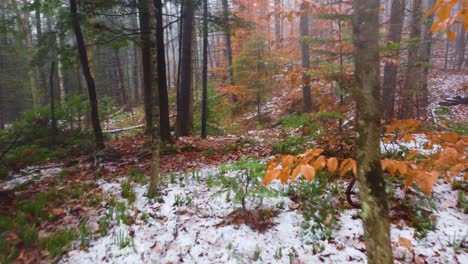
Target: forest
x: 233, y: 131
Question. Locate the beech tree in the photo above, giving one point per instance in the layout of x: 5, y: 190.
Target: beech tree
x: 305, y: 51
x: 368, y: 114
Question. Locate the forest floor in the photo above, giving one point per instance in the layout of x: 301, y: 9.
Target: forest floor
x: 97, y: 212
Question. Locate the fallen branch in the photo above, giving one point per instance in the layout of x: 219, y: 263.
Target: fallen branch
x: 112, y: 131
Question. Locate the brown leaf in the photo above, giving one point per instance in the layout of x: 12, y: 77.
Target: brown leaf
x: 406, y: 243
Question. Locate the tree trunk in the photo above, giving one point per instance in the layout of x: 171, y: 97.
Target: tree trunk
x: 228, y: 43
x: 155, y: 136
x: 148, y: 68
x: 426, y: 57
x: 120, y: 79
x: 278, y: 37
x: 410, y: 90
x: 184, y: 127
x: 52, y: 107
x: 305, y: 51
x: 461, y: 46
x: 205, y: 70
x: 40, y: 63
x: 88, y: 76
x: 164, y: 125
x: 391, y: 69
x: 367, y: 94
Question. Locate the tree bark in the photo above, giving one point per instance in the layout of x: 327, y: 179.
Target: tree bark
x: 148, y: 68
x: 305, y: 51
x: 426, y: 57
x: 391, y: 69
x: 164, y: 124
x: 278, y: 37
x: 411, y: 88
x: 227, y: 35
x: 205, y: 70
x: 120, y: 79
x: 367, y: 94
x: 155, y: 136
x: 88, y: 76
x: 52, y: 106
x: 184, y: 127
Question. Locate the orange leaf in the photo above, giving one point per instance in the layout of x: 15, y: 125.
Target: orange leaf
x: 271, y: 175
x: 332, y: 164
x: 295, y: 173
x: 284, y: 175
x: 287, y: 161
x: 451, y: 35
x: 412, y: 154
x: 347, y: 165
x: 320, y: 162
x: 308, y: 172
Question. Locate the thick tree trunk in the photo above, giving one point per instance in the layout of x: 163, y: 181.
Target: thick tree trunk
x: 391, y: 69
x: 205, y: 70
x: 148, y: 68
x: 184, y: 127
x: 411, y: 88
x: 88, y: 76
x: 367, y: 94
x: 230, y: 72
x: 305, y: 51
x: 164, y: 125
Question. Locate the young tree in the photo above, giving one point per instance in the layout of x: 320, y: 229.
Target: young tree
x: 164, y: 124
x: 395, y: 27
x: 184, y: 111
x: 367, y: 94
x: 205, y: 70
x: 305, y: 51
x: 148, y: 68
x: 88, y: 76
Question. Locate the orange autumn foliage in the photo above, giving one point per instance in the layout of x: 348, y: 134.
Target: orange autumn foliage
x: 450, y: 159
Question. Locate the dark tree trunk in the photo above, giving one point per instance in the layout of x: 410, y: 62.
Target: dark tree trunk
x: 367, y: 94
x: 184, y: 127
x: 411, y: 89
x: 305, y: 51
x: 461, y: 46
x: 89, y: 78
x: 205, y: 70
x: 40, y: 63
x: 148, y: 68
x: 391, y: 69
x: 164, y: 125
x: 228, y: 43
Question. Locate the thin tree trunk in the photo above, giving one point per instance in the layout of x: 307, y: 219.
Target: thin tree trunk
x: 410, y: 91
x: 426, y: 58
x: 183, y: 110
x: 367, y: 94
x: 40, y: 64
x: 305, y: 51
x: 205, y: 70
x: 164, y: 125
x: 52, y: 106
x: 391, y: 68
x: 228, y: 43
x: 89, y: 78
x: 278, y: 37
x: 148, y: 68
x: 120, y: 79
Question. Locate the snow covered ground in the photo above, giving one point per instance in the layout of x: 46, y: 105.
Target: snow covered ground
x: 182, y: 228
